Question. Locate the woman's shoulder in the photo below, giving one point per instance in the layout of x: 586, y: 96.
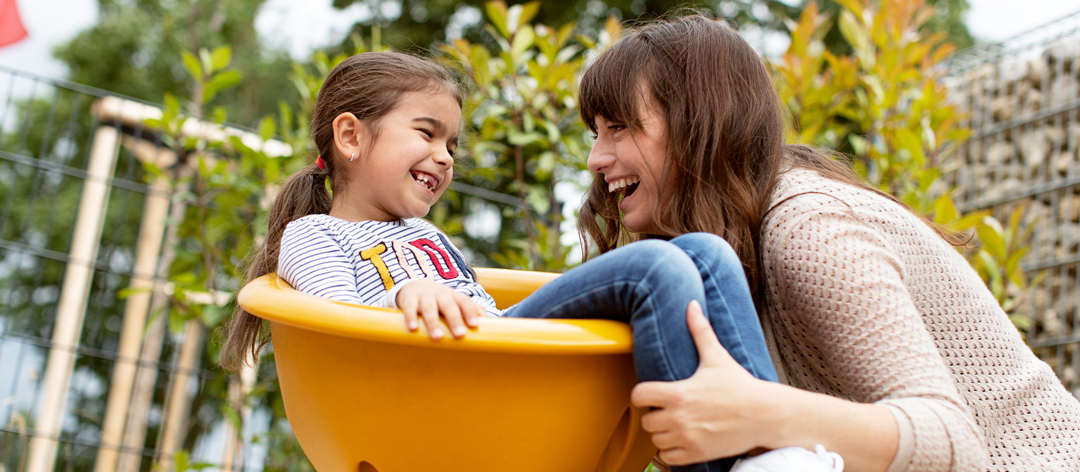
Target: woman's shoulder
x: 805, y: 203
x: 803, y: 191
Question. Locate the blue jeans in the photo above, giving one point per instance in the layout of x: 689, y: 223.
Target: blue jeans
x: 649, y: 284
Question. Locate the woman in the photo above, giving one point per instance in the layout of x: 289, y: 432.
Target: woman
x: 899, y: 356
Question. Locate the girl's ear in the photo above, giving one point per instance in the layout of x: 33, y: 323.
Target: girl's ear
x: 349, y: 134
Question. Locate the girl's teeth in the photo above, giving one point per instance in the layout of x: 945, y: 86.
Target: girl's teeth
x: 425, y: 181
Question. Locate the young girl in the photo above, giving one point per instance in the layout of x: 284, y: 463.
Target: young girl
x: 902, y: 359
x: 386, y: 126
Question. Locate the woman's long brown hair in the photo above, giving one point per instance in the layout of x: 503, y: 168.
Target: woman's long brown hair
x: 725, y: 134
x: 367, y: 85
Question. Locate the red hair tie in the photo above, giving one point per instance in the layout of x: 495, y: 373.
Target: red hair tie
x: 320, y: 163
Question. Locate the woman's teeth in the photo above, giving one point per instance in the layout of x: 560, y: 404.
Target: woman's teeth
x: 622, y: 183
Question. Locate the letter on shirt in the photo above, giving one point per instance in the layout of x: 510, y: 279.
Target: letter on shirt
x: 438, y: 256
x: 374, y: 255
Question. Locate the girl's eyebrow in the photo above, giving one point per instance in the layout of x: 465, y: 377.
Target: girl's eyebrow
x: 440, y: 128
x: 438, y: 125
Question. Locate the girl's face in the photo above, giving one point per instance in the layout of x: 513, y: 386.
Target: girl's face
x: 404, y: 166
x: 631, y: 162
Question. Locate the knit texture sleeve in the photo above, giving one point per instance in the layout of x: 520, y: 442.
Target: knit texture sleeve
x: 853, y: 328
x: 313, y: 262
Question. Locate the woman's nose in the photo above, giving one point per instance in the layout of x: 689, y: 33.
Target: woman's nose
x: 600, y: 156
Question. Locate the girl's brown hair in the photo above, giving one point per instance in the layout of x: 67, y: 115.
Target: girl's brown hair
x: 367, y: 85
x: 725, y: 134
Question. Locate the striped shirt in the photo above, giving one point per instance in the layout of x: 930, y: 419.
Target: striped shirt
x: 360, y: 262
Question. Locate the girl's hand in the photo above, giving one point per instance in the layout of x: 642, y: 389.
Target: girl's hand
x: 717, y: 412
x: 429, y: 299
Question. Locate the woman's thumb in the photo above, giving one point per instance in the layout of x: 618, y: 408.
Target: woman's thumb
x: 709, y: 349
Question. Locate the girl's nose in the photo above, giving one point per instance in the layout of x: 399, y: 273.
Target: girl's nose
x: 443, y: 158
x: 600, y: 156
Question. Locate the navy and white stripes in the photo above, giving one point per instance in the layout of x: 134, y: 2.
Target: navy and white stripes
x: 359, y: 262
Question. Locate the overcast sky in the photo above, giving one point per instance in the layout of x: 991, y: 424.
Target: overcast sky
x: 302, y: 25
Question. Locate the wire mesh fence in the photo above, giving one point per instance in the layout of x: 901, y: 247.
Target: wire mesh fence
x: 63, y: 276
x: 1022, y: 99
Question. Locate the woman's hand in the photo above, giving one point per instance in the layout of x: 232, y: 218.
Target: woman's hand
x: 715, y: 413
x: 429, y: 300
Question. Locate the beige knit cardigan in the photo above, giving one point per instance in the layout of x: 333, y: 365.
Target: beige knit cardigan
x: 866, y: 302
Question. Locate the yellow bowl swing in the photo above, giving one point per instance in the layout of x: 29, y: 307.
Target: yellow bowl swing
x: 516, y: 395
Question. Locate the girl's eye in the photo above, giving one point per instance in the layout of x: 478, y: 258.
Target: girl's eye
x: 616, y: 127
x: 450, y: 151
x: 427, y: 133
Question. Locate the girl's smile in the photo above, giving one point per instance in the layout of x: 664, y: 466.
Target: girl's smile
x: 404, y: 162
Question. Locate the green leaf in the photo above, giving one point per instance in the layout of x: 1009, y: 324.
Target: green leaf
x: 221, y: 82
x: 988, y: 264
x: 129, y: 291
x: 927, y: 179
x: 523, y: 40
x: 945, y: 210
x: 204, y: 59
x: 496, y: 12
x: 528, y: 12
x: 232, y: 415
x: 220, y: 58
x: 854, y: 33
x: 180, y: 460
x: 1013, y: 269
x: 517, y: 138
x: 267, y: 128
x: 213, y: 314
x: 191, y: 63
x: 992, y: 237
x: 176, y: 322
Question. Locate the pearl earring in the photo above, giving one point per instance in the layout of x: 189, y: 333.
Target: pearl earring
x: 352, y: 157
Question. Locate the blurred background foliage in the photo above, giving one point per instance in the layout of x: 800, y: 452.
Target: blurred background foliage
x: 859, y: 76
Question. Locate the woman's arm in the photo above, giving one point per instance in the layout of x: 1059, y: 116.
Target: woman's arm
x: 723, y: 411
x: 848, y: 327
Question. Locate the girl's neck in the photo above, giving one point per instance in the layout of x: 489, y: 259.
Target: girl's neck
x: 343, y: 209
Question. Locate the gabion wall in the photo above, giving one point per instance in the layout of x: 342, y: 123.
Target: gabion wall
x: 1022, y: 101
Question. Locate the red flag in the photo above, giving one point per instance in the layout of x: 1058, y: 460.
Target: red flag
x: 11, y: 27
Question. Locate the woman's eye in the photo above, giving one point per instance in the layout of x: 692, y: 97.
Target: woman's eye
x: 616, y: 127
x: 427, y: 133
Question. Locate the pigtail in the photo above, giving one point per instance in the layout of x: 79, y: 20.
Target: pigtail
x: 302, y: 194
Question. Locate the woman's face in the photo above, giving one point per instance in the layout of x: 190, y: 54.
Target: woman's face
x: 632, y: 162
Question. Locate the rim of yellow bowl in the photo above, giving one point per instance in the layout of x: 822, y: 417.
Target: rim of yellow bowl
x: 272, y: 299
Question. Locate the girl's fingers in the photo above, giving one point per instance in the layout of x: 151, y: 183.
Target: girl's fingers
x: 429, y: 310
x: 452, y: 313
x: 469, y: 310
x: 408, y: 307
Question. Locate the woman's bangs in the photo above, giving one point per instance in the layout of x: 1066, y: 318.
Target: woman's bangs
x: 609, y: 87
